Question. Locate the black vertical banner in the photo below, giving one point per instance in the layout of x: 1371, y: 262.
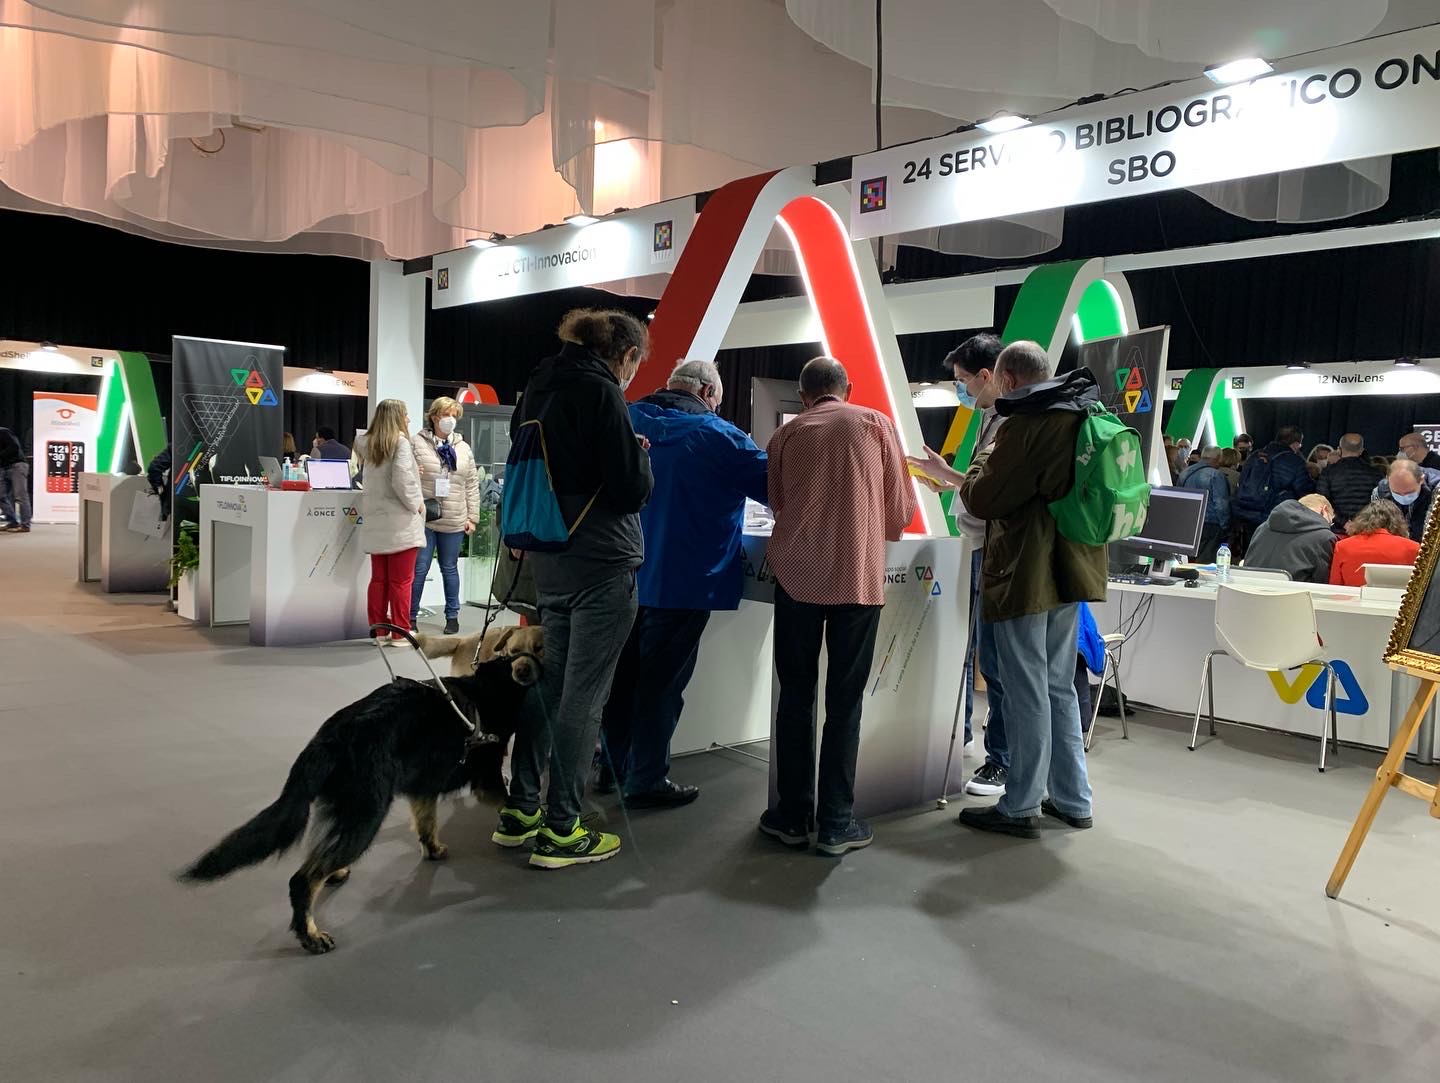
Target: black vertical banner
x: 225, y: 413
x: 1130, y: 370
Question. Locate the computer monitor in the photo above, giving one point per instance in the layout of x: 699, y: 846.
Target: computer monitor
x: 328, y: 473
x: 1173, y: 525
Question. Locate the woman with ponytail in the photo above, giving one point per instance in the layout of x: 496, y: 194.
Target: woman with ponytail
x: 585, y: 592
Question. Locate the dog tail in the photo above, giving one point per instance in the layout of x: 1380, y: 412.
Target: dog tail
x: 274, y: 829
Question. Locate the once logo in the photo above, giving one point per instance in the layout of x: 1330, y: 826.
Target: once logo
x: 1310, y: 683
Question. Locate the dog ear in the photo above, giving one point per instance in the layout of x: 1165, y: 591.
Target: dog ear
x: 502, y: 641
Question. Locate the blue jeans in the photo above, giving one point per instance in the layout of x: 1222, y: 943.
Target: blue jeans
x: 448, y: 546
x: 997, y: 748
x: 1037, y: 663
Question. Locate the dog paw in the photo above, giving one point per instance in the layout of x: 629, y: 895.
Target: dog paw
x: 338, y: 877
x: 318, y: 942
x: 438, y: 852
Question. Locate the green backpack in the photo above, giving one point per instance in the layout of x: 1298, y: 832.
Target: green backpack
x: 1110, y: 497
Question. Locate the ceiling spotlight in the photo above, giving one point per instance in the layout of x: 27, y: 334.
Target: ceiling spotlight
x: 49, y: 347
x: 481, y: 242
x: 1003, y: 122
x: 1238, y: 71
x: 1297, y: 366
x: 581, y: 219
x: 1406, y: 362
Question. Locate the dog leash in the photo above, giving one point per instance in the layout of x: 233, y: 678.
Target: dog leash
x: 476, y: 735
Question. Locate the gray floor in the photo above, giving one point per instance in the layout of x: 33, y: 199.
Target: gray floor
x: 1187, y: 937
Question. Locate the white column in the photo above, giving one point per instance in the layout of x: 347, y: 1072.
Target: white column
x: 397, y: 337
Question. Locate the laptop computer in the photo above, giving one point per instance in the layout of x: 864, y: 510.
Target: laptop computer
x: 1387, y: 575
x: 328, y: 473
x: 271, y: 466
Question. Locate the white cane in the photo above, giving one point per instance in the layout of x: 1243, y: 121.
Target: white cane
x: 970, y: 649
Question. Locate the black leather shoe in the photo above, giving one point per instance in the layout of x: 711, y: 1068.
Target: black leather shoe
x: 1082, y: 823
x: 667, y: 795
x: 452, y: 626
x: 988, y: 819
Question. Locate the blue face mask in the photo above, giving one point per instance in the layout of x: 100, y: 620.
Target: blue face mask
x: 1405, y: 499
x: 967, y: 400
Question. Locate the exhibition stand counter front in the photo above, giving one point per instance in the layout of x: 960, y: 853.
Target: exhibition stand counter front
x: 120, y: 559
x: 1170, y: 629
x: 287, y: 563
x: 914, y: 683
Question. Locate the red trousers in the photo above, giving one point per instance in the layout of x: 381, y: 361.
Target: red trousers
x: 391, y: 575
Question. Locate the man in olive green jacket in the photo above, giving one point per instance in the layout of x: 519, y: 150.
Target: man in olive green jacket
x: 1033, y: 580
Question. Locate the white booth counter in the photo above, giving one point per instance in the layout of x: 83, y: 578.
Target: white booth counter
x: 914, y: 681
x: 121, y: 560
x: 1160, y: 662
x: 287, y: 563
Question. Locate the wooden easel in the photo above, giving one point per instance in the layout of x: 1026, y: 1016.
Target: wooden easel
x: 1390, y: 775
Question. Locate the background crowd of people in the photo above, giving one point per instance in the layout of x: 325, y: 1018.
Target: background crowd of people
x: 1318, y: 516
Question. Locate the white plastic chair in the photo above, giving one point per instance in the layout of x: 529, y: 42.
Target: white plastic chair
x: 1110, y: 671
x: 1267, y: 630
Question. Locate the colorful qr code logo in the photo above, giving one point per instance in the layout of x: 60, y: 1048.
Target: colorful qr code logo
x: 872, y: 195
x: 664, y: 236
x: 442, y: 278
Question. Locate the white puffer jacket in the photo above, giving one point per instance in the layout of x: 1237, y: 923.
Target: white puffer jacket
x: 463, y: 502
x: 393, y: 509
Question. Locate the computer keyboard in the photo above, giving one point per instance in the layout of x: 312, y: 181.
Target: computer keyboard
x: 1146, y: 580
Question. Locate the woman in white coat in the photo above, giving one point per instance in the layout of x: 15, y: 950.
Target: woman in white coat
x: 392, y: 529
x: 447, y: 474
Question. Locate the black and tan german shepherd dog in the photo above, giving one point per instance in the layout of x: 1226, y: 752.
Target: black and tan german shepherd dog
x: 403, y: 739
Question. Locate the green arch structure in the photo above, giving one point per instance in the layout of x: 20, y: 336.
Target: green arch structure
x: 1055, y: 302
x: 129, y: 407
x: 1202, y: 394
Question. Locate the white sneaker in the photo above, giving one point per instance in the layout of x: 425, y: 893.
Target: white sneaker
x: 989, y: 781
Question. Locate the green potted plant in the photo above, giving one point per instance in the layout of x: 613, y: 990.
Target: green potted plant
x: 184, y: 561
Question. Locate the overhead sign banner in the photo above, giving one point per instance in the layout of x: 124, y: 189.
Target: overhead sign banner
x: 65, y: 428
x: 631, y: 244
x: 224, y: 414
x: 316, y: 382
x: 1355, y: 101
x: 1130, y: 371
x: 1338, y: 379
x: 71, y: 360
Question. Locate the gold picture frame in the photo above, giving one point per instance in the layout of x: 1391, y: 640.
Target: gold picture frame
x: 1419, y: 612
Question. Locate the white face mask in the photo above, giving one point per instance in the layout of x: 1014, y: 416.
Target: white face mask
x: 446, y: 426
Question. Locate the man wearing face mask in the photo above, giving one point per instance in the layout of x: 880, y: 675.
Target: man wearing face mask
x: 973, y: 365
x: 1414, y: 448
x: 1411, y: 488
x: 325, y: 446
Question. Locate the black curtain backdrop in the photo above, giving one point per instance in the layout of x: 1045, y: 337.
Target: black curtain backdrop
x: 304, y: 413
x: 86, y: 285
x: 1381, y: 419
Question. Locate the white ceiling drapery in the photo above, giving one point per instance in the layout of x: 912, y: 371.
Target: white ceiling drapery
x: 376, y: 127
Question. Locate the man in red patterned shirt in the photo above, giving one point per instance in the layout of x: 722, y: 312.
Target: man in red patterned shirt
x: 839, y: 490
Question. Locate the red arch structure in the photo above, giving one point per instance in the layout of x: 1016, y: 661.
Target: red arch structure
x: 706, y: 286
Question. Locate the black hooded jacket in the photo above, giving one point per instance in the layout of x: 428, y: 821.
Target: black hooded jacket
x: 593, y: 452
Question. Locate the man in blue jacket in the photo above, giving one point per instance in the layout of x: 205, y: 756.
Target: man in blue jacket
x: 1270, y: 477
x: 704, y: 468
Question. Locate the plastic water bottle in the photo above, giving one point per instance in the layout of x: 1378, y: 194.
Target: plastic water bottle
x: 1222, y: 564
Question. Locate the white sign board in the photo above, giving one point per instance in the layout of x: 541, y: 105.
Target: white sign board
x: 64, y: 447
x: 72, y: 360
x: 315, y: 382
x: 1343, y: 378
x: 1355, y: 101
x: 632, y: 244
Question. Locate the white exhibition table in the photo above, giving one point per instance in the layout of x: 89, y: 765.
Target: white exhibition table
x: 121, y: 560
x: 287, y: 563
x: 1161, y: 662
x: 914, y: 681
